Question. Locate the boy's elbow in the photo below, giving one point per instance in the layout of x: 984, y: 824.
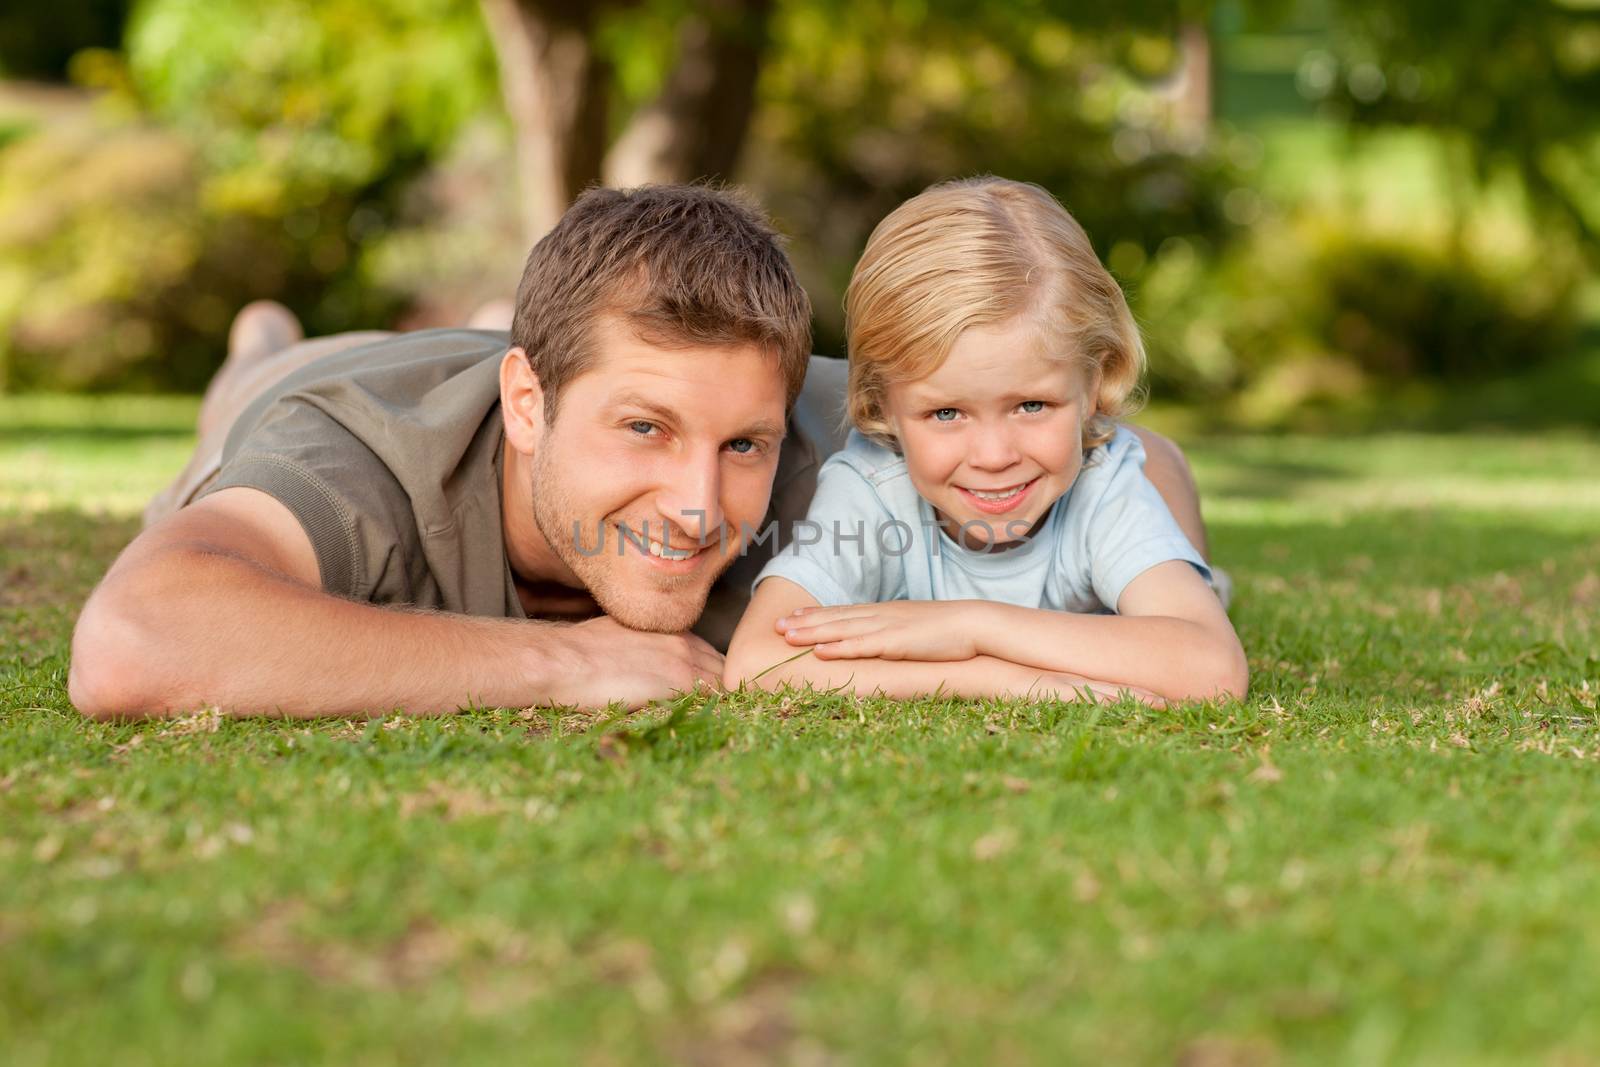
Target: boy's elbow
x: 1221, y: 674
x: 1236, y: 682
x: 745, y: 667
x: 1230, y: 676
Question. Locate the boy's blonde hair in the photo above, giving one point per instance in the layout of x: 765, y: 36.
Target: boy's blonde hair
x: 979, y: 252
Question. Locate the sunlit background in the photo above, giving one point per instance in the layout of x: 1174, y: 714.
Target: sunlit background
x: 1329, y: 214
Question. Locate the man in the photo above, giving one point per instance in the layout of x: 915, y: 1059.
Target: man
x: 370, y: 521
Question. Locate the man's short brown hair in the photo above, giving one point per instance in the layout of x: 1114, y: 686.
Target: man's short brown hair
x: 681, y: 264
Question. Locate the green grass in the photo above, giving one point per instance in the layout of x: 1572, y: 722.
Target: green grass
x: 1390, y: 853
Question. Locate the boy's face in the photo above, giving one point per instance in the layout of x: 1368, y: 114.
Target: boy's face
x: 677, y: 445
x: 995, y: 435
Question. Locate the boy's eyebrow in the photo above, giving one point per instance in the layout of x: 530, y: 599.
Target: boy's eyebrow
x: 760, y: 428
x: 923, y: 396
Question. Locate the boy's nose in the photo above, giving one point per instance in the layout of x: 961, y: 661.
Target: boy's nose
x: 993, y: 450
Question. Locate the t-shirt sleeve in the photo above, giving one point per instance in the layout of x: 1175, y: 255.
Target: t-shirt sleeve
x: 352, y: 508
x: 836, y: 552
x: 1130, y: 528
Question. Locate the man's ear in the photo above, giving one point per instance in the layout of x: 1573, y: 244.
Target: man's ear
x: 521, y: 402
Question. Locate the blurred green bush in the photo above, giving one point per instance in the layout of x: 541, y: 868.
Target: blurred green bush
x: 237, y: 150
x: 1318, y: 310
x: 865, y: 105
x: 350, y: 159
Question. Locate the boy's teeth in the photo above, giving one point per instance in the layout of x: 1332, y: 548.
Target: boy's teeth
x: 1002, y: 495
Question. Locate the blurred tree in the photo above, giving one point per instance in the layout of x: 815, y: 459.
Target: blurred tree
x: 293, y: 103
x: 866, y: 105
x: 557, y: 78
x: 1515, y: 84
x: 246, y: 148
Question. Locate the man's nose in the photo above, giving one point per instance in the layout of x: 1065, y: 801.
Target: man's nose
x: 691, y: 497
x: 993, y: 449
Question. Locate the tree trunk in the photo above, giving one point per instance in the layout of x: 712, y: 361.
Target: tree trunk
x: 1192, y: 91
x: 697, y: 126
x: 556, y: 91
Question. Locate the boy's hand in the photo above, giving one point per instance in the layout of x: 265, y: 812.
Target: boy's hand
x: 897, y: 629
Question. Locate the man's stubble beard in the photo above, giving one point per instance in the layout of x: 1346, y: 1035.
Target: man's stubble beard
x: 678, y: 601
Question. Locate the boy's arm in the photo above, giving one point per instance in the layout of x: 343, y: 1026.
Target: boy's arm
x: 759, y: 655
x: 221, y: 605
x: 1171, y: 636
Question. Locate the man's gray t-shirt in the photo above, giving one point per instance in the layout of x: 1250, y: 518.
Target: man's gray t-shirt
x: 389, y: 455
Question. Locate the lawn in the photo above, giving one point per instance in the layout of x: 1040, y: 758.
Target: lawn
x: 1390, y: 853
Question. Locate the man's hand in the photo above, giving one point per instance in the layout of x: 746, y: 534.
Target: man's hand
x: 898, y: 629
x: 632, y: 667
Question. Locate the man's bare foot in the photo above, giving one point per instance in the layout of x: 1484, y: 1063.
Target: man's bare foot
x: 261, y: 328
x: 494, y: 315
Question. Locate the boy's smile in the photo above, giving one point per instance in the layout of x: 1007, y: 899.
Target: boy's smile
x: 998, y: 501
x: 994, y: 436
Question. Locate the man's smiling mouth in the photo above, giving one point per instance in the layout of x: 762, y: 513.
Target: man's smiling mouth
x: 640, y: 537
x: 662, y: 551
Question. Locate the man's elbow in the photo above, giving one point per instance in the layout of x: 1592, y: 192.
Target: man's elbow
x: 110, y: 672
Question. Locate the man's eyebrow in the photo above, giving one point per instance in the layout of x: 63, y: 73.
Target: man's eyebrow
x: 639, y: 400
x: 762, y: 428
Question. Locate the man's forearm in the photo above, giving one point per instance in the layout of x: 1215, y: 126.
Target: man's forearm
x: 206, y: 629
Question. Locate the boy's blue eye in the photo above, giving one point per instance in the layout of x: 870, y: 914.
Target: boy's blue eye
x: 1032, y: 406
x: 641, y: 427
x: 945, y: 414
x: 742, y: 445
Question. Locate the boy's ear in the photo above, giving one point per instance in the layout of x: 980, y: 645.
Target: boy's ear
x: 521, y: 401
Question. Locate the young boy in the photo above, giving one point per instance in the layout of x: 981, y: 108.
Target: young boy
x: 988, y: 528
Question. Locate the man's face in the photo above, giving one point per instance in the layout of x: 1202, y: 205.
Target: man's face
x: 658, y: 465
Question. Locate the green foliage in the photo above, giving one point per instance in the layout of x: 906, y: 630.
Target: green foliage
x: 292, y: 103
x: 1363, y: 268
x: 1400, y: 311
x: 271, y: 149
x: 1516, y: 83
x: 864, y: 105
x: 113, y: 271
x: 1386, y: 306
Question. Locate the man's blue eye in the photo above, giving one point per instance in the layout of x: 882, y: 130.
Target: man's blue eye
x: 1032, y: 406
x: 742, y: 445
x: 945, y: 414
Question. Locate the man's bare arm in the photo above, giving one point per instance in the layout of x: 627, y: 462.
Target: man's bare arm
x: 221, y: 605
x: 760, y: 656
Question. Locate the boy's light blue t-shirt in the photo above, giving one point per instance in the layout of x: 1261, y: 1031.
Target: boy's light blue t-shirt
x: 869, y: 537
